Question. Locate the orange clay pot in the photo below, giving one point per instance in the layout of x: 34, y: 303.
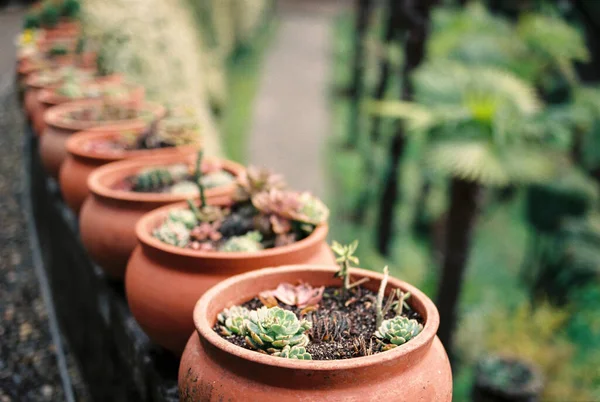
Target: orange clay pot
x: 46, y: 98
x: 53, y: 150
x: 164, y: 282
x: 80, y: 162
x: 33, y: 85
x: 36, y: 106
x: 213, y: 369
x: 108, y: 216
x: 63, y: 30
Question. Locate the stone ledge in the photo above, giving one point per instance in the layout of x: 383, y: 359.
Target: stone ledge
x: 117, y: 360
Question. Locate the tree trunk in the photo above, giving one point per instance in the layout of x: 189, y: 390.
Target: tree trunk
x: 391, y: 30
x: 461, y: 221
x: 363, y: 12
x: 415, y: 15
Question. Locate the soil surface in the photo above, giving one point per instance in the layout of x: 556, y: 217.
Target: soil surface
x: 343, y: 327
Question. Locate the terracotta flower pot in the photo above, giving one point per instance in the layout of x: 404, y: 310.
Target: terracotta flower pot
x: 53, y: 148
x: 108, y: 216
x: 33, y: 84
x: 213, y: 369
x: 63, y: 30
x: 46, y: 98
x: 81, y: 162
x: 163, y: 282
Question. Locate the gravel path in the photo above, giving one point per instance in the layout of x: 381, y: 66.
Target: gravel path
x: 29, y: 366
x: 291, y: 113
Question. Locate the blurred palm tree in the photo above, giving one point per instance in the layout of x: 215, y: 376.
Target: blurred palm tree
x: 484, y: 127
x: 541, y: 49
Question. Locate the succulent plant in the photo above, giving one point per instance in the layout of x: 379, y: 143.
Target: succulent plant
x: 302, y: 295
x: 70, y: 8
x: 31, y: 21
x: 156, y: 178
x: 312, y: 210
x: 272, y: 329
x: 345, y: 256
x: 183, y: 216
x: 250, y: 242
x: 208, y: 213
x: 71, y: 89
x: 285, y: 239
x: 398, y: 331
x: 291, y: 205
x: 173, y: 233
x: 255, y: 180
x: 207, y: 231
x: 237, y: 224
x: 294, y: 352
x: 58, y: 50
x: 184, y: 187
x: 217, y: 179
x: 233, y: 320
x: 277, y: 202
x: 49, y: 16
x: 328, y: 327
x: 175, y: 131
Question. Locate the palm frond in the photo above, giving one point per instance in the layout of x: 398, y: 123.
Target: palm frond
x: 490, y: 165
x: 473, y: 36
x: 552, y: 37
x: 446, y: 82
x: 467, y: 160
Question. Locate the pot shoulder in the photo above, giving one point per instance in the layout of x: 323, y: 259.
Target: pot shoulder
x: 216, y: 377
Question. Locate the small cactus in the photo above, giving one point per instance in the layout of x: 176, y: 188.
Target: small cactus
x: 294, y: 352
x: 250, y: 242
x: 178, y: 130
x: 173, y: 233
x: 233, y: 320
x: 272, y: 329
x: 153, y: 179
x: 398, y: 330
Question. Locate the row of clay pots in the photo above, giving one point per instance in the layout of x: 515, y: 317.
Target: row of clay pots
x: 109, y: 217
x: 163, y: 283
x: 53, y: 148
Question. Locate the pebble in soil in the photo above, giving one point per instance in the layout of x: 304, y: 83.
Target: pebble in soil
x: 343, y: 328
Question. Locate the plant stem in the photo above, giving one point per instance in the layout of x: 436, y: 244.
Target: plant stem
x: 198, y: 177
x: 346, y: 277
x: 391, y: 32
x: 380, y: 295
x: 362, y: 11
x: 461, y: 221
x: 415, y: 15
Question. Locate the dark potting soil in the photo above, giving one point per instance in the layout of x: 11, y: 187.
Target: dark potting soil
x: 342, y: 328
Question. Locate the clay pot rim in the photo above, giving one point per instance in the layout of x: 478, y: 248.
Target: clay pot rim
x: 53, y: 115
x: 48, y: 96
x: 97, y: 188
x: 75, y: 143
x: 204, y: 326
x: 30, y: 82
x: 35, y: 72
x: 148, y: 222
